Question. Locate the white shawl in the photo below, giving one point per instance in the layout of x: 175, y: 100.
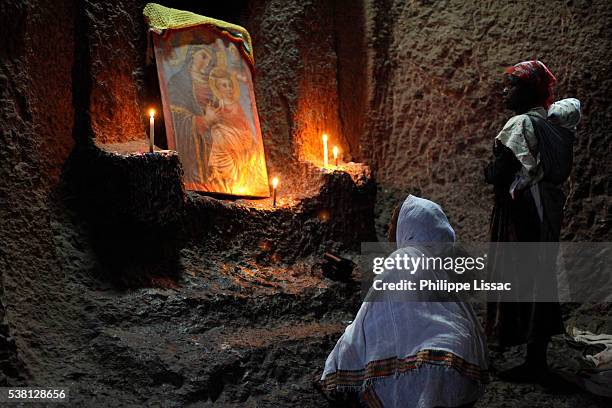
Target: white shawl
x: 411, y: 354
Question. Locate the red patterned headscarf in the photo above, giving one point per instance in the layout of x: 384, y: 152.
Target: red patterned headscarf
x: 536, y: 74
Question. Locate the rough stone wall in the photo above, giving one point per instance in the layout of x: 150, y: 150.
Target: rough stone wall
x: 408, y: 87
x: 69, y: 71
x: 434, y: 107
x: 352, y: 70
x: 431, y: 113
x: 35, y: 139
x: 117, y: 45
x: 339, y: 217
x: 296, y: 83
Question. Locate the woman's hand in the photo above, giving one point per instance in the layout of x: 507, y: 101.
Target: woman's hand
x: 503, y: 167
x: 209, y: 119
x: 210, y: 115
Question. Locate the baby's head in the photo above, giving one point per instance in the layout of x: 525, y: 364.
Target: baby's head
x: 223, y: 84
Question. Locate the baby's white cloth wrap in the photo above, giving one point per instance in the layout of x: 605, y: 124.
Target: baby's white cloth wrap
x: 519, y: 136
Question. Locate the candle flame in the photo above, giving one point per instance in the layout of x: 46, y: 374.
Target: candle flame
x: 324, y: 137
x: 275, y: 182
x: 152, y: 113
x: 335, y: 150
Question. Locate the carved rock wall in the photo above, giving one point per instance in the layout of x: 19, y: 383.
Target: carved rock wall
x: 296, y: 80
x: 296, y: 83
x: 36, y: 56
x: 118, y: 45
x: 409, y: 88
x: 435, y: 70
x: 423, y: 116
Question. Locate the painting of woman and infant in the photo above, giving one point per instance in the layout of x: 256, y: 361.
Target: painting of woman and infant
x: 214, y: 128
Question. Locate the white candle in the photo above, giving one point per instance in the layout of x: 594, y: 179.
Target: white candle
x: 335, y: 150
x: 151, y: 130
x: 274, y: 185
x: 324, y: 150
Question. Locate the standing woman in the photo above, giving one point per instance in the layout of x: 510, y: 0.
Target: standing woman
x: 532, y: 159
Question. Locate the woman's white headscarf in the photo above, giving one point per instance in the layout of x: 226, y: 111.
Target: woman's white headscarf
x: 421, y: 220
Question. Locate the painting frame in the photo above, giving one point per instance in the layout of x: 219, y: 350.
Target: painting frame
x: 211, y: 119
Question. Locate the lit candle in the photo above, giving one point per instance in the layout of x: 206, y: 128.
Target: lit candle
x: 151, y: 130
x: 335, y: 150
x: 274, y: 185
x: 324, y: 150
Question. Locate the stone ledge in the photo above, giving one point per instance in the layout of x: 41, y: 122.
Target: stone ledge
x: 141, y: 217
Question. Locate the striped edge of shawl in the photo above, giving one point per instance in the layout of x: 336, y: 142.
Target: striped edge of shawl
x: 358, y: 379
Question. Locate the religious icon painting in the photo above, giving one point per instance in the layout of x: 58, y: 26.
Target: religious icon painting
x: 205, y: 75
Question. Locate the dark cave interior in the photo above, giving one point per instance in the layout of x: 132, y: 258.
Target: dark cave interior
x: 119, y: 283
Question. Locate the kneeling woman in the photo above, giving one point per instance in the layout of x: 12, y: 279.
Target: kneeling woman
x: 411, y: 354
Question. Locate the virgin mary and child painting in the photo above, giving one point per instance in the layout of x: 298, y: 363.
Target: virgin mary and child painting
x: 207, y: 92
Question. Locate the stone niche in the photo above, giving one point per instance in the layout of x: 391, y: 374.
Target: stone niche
x: 302, y: 88
x: 136, y: 201
x: 141, y: 217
